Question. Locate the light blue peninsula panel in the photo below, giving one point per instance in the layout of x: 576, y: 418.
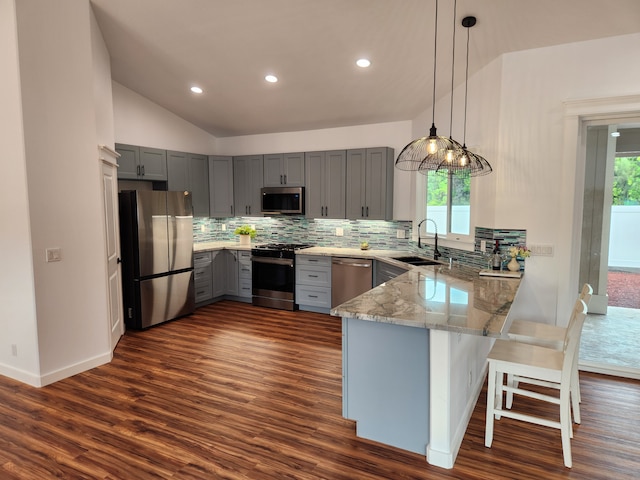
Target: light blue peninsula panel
x: 414, y: 356
x: 386, y: 382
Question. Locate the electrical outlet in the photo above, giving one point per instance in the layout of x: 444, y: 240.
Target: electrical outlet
x: 483, y: 246
x: 203, y: 228
x: 224, y: 227
x: 400, y: 233
x: 542, y: 250
x: 54, y: 254
x: 339, y: 232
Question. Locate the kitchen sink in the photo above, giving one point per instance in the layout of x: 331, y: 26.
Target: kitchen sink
x: 416, y: 260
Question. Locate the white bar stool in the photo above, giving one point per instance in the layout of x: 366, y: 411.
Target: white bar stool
x: 544, y: 335
x: 536, y: 363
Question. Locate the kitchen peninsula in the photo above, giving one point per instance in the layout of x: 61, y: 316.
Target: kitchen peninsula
x: 414, y: 354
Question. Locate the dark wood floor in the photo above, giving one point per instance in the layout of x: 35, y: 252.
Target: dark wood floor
x: 242, y: 392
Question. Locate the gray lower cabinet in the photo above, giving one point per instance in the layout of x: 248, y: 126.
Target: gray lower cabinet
x: 370, y: 183
x: 244, y: 274
x: 141, y: 163
x: 221, y: 186
x: 231, y: 266
x: 313, y: 283
x: 325, y: 191
x: 190, y: 172
x: 383, y: 272
x: 247, y: 182
x: 203, y: 276
x: 282, y: 169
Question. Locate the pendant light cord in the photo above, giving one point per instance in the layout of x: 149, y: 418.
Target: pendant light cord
x: 435, y: 53
x: 453, y: 64
x: 466, y: 90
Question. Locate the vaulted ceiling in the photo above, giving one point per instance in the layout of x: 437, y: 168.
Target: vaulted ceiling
x: 160, y: 48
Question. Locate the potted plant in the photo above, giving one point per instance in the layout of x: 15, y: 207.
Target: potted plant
x: 246, y: 233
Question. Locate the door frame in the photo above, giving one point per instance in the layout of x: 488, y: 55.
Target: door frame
x: 577, y: 114
x: 108, y: 159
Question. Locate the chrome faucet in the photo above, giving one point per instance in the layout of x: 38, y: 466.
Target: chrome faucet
x: 436, y: 253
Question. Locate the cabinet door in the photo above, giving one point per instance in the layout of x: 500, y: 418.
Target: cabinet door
x: 293, y: 169
x: 199, y: 184
x: 379, y: 184
x: 220, y: 186
x: 314, y: 198
x: 231, y: 271
x: 335, y: 184
x: 153, y: 163
x: 273, y: 170
x: 356, y: 171
x: 128, y: 162
x: 219, y: 268
x: 177, y: 171
x: 247, y: 182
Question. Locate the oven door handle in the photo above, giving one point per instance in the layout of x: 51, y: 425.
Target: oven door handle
x: 275, y: 261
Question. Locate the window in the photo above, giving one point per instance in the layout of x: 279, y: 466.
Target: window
x: 449, y: 203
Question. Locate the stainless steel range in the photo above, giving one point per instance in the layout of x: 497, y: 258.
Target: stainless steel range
x: 274, y: 275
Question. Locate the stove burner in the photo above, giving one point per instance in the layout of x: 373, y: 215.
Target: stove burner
x: 289, y: 247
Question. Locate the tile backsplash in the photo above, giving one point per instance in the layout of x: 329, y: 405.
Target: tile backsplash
x: 380, y: 235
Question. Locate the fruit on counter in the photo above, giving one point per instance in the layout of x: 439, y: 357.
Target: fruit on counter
x: 364, y: 245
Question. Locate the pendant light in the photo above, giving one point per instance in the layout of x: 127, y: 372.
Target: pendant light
x: 426, y: 153
x: 465, y: 163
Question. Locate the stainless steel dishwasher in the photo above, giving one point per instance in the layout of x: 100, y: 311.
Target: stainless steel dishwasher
x: 349, y: 278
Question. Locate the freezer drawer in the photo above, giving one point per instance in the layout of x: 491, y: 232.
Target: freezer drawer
x: 163, y: 298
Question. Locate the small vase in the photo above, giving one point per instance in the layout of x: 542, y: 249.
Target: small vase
x: 513, y: 265
x: 245, y: 239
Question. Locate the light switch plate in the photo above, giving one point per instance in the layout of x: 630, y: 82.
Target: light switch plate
x: 400, y: 233
x: 339, y: 232
x: 54, y: 254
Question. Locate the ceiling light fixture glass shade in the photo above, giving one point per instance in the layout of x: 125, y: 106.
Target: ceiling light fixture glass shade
x: 426, y: 153
x: 465, y: 163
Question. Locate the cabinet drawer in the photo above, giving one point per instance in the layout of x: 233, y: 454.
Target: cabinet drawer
x: 308, y: 260
x: 313, y: 296
x: 313, y: 275
x: 244, y: 288
x: 244, y: 271
x: 202, y: 274
x: 201, y: 258
x: 203, y: 291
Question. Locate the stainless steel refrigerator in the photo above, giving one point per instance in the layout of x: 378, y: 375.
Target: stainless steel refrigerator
x: 156, y: 233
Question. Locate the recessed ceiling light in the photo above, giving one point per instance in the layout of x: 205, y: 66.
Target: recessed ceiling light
x: 196, y: 89
x: 363, y: 62
x: 271, y: 78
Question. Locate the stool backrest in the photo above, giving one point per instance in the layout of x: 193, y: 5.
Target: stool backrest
x: 572, y: 338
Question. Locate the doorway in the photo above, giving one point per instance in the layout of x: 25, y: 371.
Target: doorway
x: 609, y: 259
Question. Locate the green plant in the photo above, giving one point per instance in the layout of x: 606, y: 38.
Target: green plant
x: 245, y: 230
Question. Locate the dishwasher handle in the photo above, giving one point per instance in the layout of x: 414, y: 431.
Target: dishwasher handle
x: 351, y: 263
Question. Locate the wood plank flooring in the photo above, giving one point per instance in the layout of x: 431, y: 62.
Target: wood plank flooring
x: 242, y: 392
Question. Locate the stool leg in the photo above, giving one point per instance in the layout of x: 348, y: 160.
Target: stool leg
x: 566, y: 427
x: 491, y: 399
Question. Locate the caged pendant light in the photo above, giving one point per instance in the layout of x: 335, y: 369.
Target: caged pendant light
x: 465, y: 163
x: 427, y: 153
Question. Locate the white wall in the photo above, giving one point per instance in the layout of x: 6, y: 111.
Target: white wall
x: 139, y: 121
x: 530, y: 189
x: 63, y: 175
x: 17, y: 292
x: 394, y: 134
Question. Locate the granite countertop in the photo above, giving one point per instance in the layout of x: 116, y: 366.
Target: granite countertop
x: 350, y: 252
x: 438, y: 297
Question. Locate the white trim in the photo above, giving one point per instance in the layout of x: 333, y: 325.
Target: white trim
x: 76, y: 368
x: 577, y: 113
x: 112, y: 154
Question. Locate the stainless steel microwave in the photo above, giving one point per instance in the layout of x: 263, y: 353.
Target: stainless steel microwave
x: 282, y: 200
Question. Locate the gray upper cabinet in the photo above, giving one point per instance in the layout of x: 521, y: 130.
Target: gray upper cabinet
x: 284, y: 169
x: 141, y: 163
x: 370, y: 183
x: 247, y: 181
x: 190, y: 171
x: 325, y: 192
x: 221, y: 186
